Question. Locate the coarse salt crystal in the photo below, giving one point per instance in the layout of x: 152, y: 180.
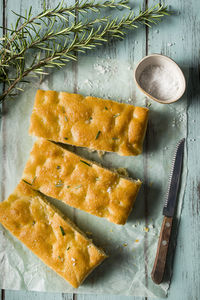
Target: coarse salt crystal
x: 109, y: 190
x: 159, y: 82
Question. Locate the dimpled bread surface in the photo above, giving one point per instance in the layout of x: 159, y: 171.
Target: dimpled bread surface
x: 53, y: 238
x: 89, y: 122
x: 80, y: 183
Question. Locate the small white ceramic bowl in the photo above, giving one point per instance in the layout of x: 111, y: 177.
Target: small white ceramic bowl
x: 168, y: 64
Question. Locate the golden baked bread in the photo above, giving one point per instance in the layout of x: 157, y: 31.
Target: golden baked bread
x: 80, y: 183
x: 53, y: 238
x: 89, y: 122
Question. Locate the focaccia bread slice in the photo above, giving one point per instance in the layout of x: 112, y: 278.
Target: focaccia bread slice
x: 89, y: 122
x: 80, y: 183
x: 52, y: 237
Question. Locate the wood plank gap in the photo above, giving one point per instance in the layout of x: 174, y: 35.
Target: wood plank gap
x: 75, y: 297
x: 75, y: 66
x: 3, y: 120
x: 146, y: 173
x: 2, y: 294
x: 75, y: 70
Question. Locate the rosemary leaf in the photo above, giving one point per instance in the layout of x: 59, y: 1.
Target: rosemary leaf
x: 26, y: 182
x: 78, y: 186
x: 97, y: 136
x: 117, y: 115
x: 62, y: 230
x: 59, y: 184
x: 84, y: 162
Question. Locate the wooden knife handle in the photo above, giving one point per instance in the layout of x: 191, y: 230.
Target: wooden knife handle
x: 161, y: 255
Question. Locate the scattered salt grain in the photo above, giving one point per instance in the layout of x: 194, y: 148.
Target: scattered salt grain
x: 151, y: 226
x: 100, y: 69
x: 73, y: 259
x: 109, y: 190
x: 88, y: 83
x: 170, y: 44
x: 159, y: 82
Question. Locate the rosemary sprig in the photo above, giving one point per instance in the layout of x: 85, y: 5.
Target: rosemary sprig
x: 34, y: 24
x: 20, y: 44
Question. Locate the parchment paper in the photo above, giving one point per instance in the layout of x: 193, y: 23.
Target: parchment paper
x: 131, y: 249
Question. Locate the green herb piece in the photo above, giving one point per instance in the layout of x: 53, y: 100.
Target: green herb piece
x: 66, y: 118
x: 26, y: 50
x: 97, y: 136
x: 84, y: 162
x: 68, y: 186
x: 33, y: 222
x: 90, y: 118
x: 62, y: 230
x: 68, y: 248
x: 59, y: 257
x: 115, y: 138
x: 58, y: 167
x: 33, y: 180
x: 148, y: 104
x: 117, y: 115
x: 59, y: 184
x: 26, y: 182
x: 97, y: 179
x: 106, y: 108
x: 65, y: 138
x: 78, y: 186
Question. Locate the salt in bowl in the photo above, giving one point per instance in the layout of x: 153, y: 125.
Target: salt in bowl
x: 160, y: 78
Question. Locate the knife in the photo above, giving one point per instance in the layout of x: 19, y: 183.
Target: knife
x: 168, y: 212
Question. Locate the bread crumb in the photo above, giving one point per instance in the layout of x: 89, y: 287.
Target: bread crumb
x: 73, y: 259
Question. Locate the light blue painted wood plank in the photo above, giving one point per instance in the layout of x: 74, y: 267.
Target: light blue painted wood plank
x: 179, y: 39
x: 108, y: 297
x: 2, y: 292
x: 24, y: 295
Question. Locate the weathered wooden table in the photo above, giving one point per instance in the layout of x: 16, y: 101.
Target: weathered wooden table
x: 178, y: 38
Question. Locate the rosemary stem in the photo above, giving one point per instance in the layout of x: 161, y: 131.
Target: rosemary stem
x: 87, y: 36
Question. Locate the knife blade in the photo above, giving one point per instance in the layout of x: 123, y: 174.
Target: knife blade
x: 168, y: 212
